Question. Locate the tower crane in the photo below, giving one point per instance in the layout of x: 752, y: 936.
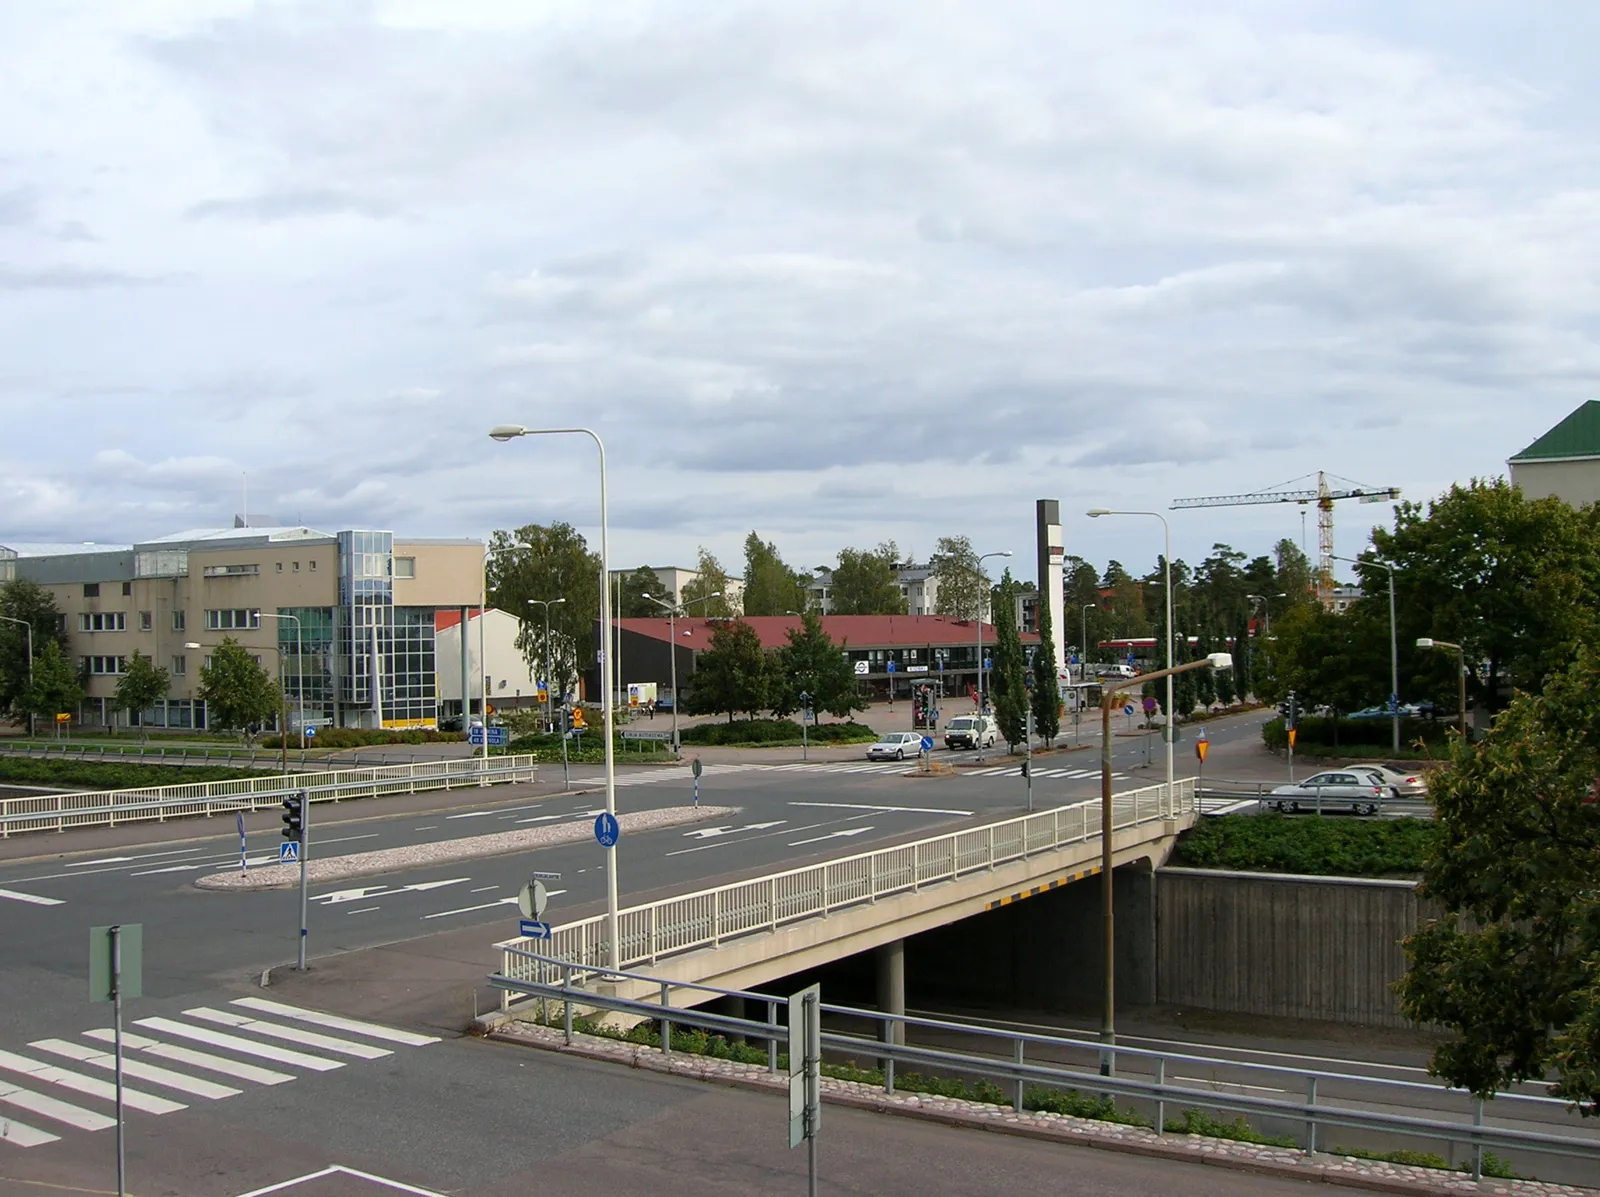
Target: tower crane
x: 1323, y: 497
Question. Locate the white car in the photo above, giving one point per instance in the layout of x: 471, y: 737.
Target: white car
x: 1358, y: 789
x: 895, y: 746
x: 1405, y: 785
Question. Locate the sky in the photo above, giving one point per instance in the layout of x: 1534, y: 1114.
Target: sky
x: 834, y: 272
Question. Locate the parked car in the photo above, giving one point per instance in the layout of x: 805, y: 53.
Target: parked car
x: 1115, y: 671
x: 1358, y: 789
x: 895, y: 746
x: 971, y: 731
x: 1404, y: 785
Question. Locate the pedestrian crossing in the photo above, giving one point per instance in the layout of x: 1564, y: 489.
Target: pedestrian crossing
x: 1016, y: 771
x: 683, y: 775
x: 52, y: 1096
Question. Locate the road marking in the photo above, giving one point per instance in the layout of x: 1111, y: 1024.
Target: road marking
x: 335, y: 1022
x: 888, y: 810
x: 51, y: 1107
x: 363, y: 910
x: 100, y: 1058
x: 348, y: 895
x: 832, y: 835
x: 341, y: 1170
x: 84, y: 864
x: 245, y: 1047
x: 483, y: 889
x: 187, y: 1055
x: 33, y: 898
x: 486, y: 906
x: 90, y: 1085
x: 429, y: 827
x: 423, y: 886
x: 346, y: 839
x: 473, y: 814
x: 24, y: 1135
x: 540, y: 819
x: 326, y: 1043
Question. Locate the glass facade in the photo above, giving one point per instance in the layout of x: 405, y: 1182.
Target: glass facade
x: 369, y: 628
x: 308, y: 678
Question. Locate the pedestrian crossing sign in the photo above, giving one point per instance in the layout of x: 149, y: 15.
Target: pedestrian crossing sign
x: 289, y: 852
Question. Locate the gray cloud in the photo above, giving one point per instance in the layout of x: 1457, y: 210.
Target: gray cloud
x: 66, y: 278
x: 288, y: 205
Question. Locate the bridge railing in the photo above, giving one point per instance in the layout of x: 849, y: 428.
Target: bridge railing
x: 106, y: 808
x: 710, y: 917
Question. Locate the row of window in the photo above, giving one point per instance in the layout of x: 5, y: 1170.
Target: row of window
x: 233, y: 619
x: 103, y: 621
x: 177, y: 666
x: 226, y: 619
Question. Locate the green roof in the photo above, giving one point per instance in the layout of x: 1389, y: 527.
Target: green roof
x: 1576, y: 436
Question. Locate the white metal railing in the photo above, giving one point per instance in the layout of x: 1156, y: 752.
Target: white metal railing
x: 57, y: 812
x: 713, y: 916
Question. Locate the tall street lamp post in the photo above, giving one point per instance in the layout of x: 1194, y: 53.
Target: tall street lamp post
x: 506, y: 432
x: 983, y: 603
x: 299, y: 692
x: 1394, y: 652
x: 483, y: 661
x: 1083, y: 666
x: 28, y: 627
x: 1166, y: 572
x: 1108, y: 1017
x: 1461, y: 676
x: 672, y: 639
x: 549, y: 684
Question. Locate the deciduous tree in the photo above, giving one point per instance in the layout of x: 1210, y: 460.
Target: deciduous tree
x: 557, y: 564
x: 712, y: 579
x: 238, y: 693
x: 864, y: 582
x: 141, y: 686
x: 26, y: 600
x: 733, y: 675
x: 962, y: 587
x: 812, y: 664
x: 54, y: 689
x: 632, y: 603
x: 770, y: 586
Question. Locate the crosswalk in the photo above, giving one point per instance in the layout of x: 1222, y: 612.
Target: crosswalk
x: 221, y: 1063
x: 684, y: 775
x: 1016, y: 771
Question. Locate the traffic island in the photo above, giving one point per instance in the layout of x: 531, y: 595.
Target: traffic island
x: 472, y: 847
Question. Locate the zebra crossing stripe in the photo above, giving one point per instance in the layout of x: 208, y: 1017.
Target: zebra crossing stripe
x: 336, y: 1022
x: 24, y: 1135
x: 245, y: 1047
x: 93, y: 1086
x: 187, y: 1055
x: 53, y: 1108
x: 98, y: 1058
x: 311, y: 1039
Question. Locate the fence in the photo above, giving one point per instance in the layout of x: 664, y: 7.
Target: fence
x: 1155, y: 1080
x: 708, y: 918
x: 57, y: 812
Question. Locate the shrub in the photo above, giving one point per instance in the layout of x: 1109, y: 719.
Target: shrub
x: 1308, y: 844
x: 93, y: 775
x: 360, y: 737
x: 1357, y: 737
x: 1197, y: 1122
x: 778, y: 732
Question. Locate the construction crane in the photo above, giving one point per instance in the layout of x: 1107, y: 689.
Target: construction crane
x: 1323, y: 497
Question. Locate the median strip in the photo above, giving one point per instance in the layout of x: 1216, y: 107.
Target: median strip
x: 391, y: 860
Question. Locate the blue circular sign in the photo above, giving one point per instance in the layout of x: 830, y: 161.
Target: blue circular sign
x: 927, y: 743
x: 606, y: 831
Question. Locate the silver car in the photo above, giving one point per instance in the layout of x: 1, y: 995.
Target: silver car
x: 895, y: 746
x: 1356, y: 789
x: 1405, y: 785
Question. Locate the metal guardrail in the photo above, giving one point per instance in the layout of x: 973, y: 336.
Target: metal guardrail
x: 710, y: 917
x: 57, y: 812
x: 1008, y: 1062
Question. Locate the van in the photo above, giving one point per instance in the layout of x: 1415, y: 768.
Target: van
x: 971, y: 731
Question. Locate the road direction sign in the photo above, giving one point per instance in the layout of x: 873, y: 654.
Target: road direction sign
x: 130, y: 962
x: 495, y: 737
x: 927, y: 743
x: 289, y: 852
x: 606, y: 830
x: 533, y: 899
x: 533, y: 929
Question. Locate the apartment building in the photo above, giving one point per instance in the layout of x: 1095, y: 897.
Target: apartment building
x: 918, y: 586
x: 363, y: 603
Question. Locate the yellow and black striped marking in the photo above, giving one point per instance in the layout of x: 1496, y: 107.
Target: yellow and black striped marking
x: 1042, y: 889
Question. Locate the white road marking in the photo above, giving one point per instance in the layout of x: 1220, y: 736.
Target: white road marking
x: 348, y: 895
x: 24, y: 1135
x: 325, y: 1043
x: 245, y: 1047
x: 539, y: 819
x: 93, y: 1086
x: 84, y: 864
x: 363, y: 910
x: 196, y: 1059
x: 335, y: 1022
x: 100, y: 1058
x: 429, y: 827
x: 35, y: 899
x: 423, y: 886
x: 473, y: 814
x: 888, y: 810
x: 486, y: 906
x: 483, y: 889
x: 832, y: 835
x: 341, y: 1170
x: 52, y: 1107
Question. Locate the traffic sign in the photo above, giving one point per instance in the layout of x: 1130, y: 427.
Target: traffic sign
x: 941, y: 664
x: 862, y: 667
x: 289, y: 852
x: 890, y: 667
x: 495, y: 737
x: 533, y: 899
x: 988, y: 663
x: 606, y: 830
x: 533, y: 929
x: 805, y: 1064
x: 1128, y: 710
x: 1202, y: 746
x: 311, y: 731
x: 927, y: 743
x: 116, y: 970
x: 1149, y: 706
x: 695, y: 766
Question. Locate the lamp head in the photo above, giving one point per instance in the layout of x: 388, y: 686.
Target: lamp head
x: 506, y: 432
x: 1096, y: 512
x: 715, y: 594
x: 1220, y: 660
x: 557, y: 602
x: 1424, y: 642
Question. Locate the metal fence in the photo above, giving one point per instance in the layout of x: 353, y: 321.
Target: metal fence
x: 713, y: 916
x: 1030, y: 1065
x: 107, y: 808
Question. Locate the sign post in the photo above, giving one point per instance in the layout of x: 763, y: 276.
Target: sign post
x: 805, y: 711
x: 532, y: 902
x: 244, y: 860
x: 1201, y: 747
x: 695, y: 767
x: 805, y: 1075
x: 116, y: 971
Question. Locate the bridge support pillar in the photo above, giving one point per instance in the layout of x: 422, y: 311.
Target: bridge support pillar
x: 891, y: 960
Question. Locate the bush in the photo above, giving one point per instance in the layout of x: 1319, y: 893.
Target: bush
x: 1197, y: 1122
x: 775, y: 732
x: 360, y: 737
x: 1310, y: 844
x: 1357, y: 737
x: 586, y: 749
x: 1493, y: 1165
x: 92, y: 775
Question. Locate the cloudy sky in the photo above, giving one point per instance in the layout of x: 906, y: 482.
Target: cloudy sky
x: 839, y: 272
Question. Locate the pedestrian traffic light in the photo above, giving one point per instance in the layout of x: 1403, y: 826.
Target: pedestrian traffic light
x: 294, y: 817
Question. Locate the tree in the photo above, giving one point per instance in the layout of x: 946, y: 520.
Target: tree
x: 556, y: 564
x: 1293, y: 572
x: 1226, y: 683
x: 812, y: 664
x: 962, y: 588
x: 1205, y: 682
x: 770, y: 586
x: 712, y: 579
x: 1045, y: 696
x: 732, y: 675
x: 633, y: 604
x: 1081, y: 589
x: 141, y: 685
x: 54, y: 689
x: 865, y: 583
x: 238, y: 693
x: 33, y: 604
x: 1513, y: 965
x: 1008, y: 686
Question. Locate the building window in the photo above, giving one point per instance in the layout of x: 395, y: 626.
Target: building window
x: 146, y: 621
x: 313, y: 567
x: 280, y: 567
x: 127, y: 589
x: 296, y: 567
x: 103, y: 665
x: 91, y: 590
x: 180, y: 666
x: 177, y: 621
x: 405, y: 567
x: 208, y: 661
x: 102, y: 621
x: 233, y: 619
x: 232, y: 571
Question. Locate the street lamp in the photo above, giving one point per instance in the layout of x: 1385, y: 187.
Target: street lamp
x: 1394, y: 651
x: 1166, y: 573
x: 983, y: 602
x: 299, y: 691
x: 1083, y: 615
x: 483, y: 660
x: 1108, y: 1024
x: 506, y: 432
x: 672, y: 639
x: 549, y: 693
x: 28, y: 627
x: 1461, y: 653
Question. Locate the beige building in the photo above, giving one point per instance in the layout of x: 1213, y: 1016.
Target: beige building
x: 357, y: 648
x: 1564, y: 462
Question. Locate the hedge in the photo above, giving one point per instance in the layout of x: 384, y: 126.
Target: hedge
x: 776, y: 732
x: 1357, y: 737
x: 358, y: 737
x: 94, y: 775
x: 1309, y: 844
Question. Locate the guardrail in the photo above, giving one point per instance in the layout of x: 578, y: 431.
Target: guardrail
x: 57, y: 812
x: 1016, y: 1060
x: 712, y: 916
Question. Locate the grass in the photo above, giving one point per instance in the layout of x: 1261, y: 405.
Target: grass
x: 1493, y: 1165
x: 1308, y: 844
x: 95, y: 775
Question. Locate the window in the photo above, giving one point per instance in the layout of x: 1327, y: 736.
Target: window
x: 230, y: 619
x: 102, y: 621
x: 208, y: 660
x: 180, y: 666
x: 256, y: 657
x: 146, y: 621
x: 101, y: 665
x: 127, y: 589
x: 91, y: 590
x: 313, y: 567
x: 232, y: 571
x: 280, y: 567
x: 177, y: 621
x: 405, y: 567
x: 296, y: 567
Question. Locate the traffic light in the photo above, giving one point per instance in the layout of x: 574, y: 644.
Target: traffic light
x: 1292, y: 716
x: 294, y: 817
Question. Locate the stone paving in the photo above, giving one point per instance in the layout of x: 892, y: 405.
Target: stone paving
x: 1374, y: 1175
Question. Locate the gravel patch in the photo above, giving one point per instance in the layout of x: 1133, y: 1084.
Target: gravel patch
x: 389, y: 860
